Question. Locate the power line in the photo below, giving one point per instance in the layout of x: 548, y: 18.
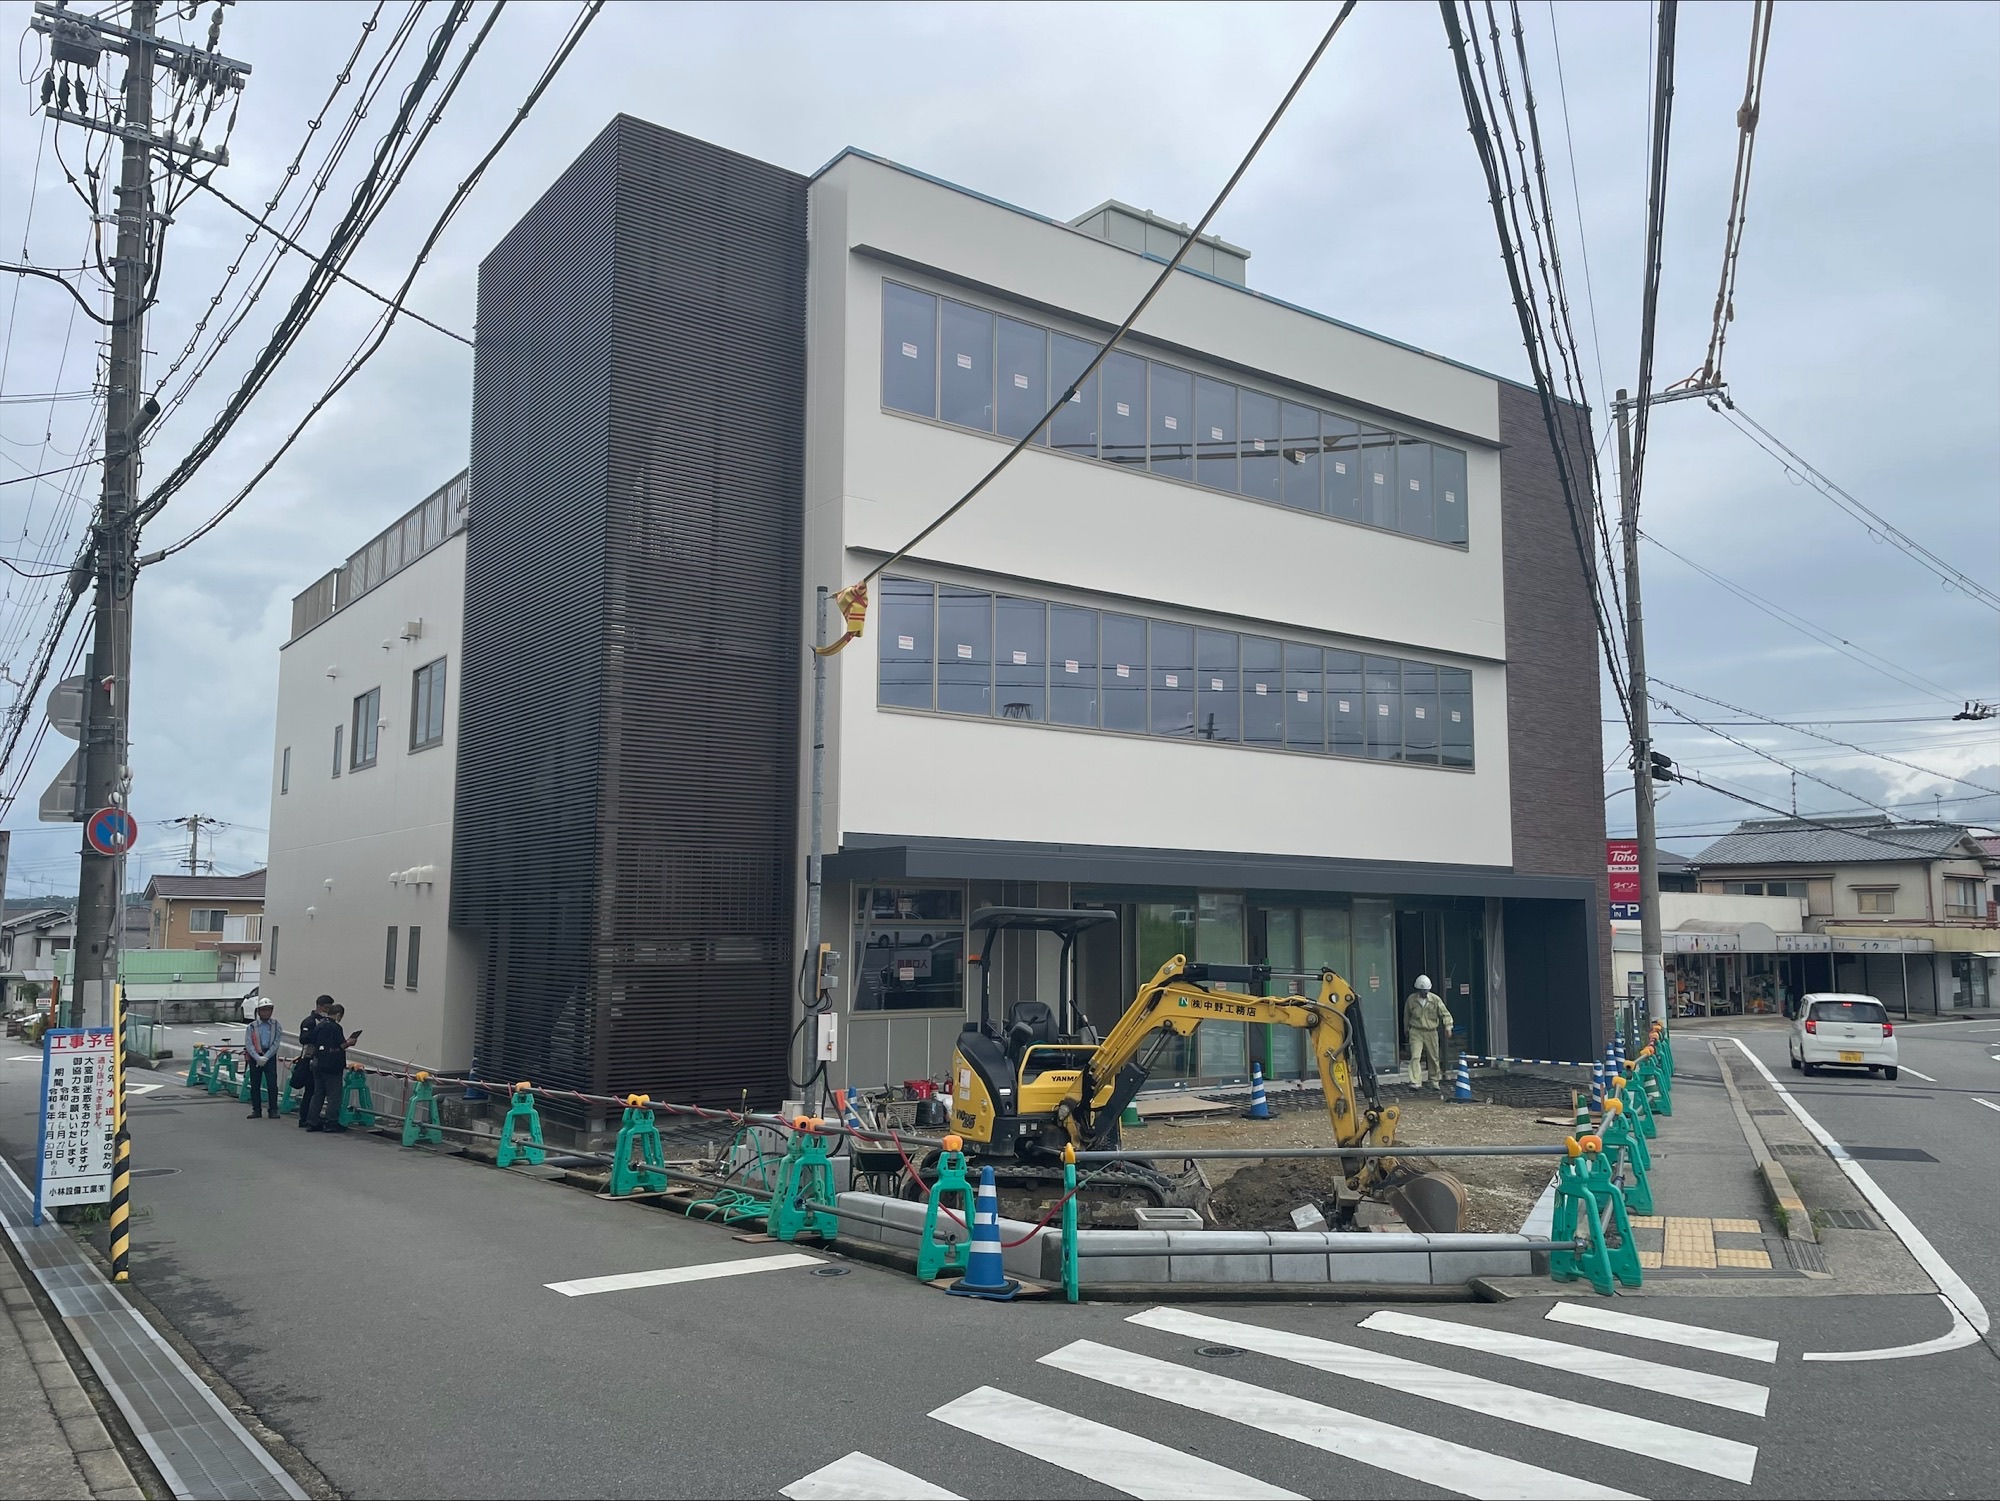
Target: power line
x: 1832, y: 828
x: 1807, y: 628
x: 1765, y: 755
x: 1133, y: 317
x: 1746, y: 145
x: 1829, y: 739
x: 1875, y: 524
x: 1576, y: 197
x: 387, y: 320
x: 1513, y: 256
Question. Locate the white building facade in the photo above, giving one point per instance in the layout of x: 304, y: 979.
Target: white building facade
x: 1227, y: 649
x: 362, y: 788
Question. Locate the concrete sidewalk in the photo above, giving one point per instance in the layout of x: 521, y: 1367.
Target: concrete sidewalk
x: 56, y: 1445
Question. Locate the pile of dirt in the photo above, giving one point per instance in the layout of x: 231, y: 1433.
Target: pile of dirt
x: 1253, y: 1195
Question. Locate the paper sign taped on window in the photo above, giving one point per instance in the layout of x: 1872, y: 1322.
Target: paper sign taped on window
x: 1173, y: 681
x: 1454, y: 716
x: 1124, y: 671
x: 964, y: 652
x: 1259, y: 444
x: 906, y: 643
x: 1420, y: 713
x: 1021, y: 381
x: 1381, y: 479
x: 1382, y: 711
x: 1020, y: 659
x: 1215, y: 685
x: 1302, y: 695
x: 1215, y: 433
x: 1450, y: 497
x: 1340, y: 466
x: 1124, y: 410
x: 1069, y: 666
x: 1345, y: 708
x: 1415, y: 485
x: 909, y: 351
x: 1260, y: 690
x: 1173, y: 423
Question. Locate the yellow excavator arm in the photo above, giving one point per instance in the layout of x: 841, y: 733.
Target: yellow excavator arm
x: 1174, y: 1001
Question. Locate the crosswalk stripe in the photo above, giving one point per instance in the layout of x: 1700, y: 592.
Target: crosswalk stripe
x: 1578, y: 1361
x: 1110, y: 1456
x: 620, y: 1281
x: 1688, y: 1448
x: 1417, y: 1456
x: 861, y: 1477
x: 1695, y: 1336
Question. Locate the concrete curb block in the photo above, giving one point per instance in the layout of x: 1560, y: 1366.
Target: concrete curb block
x: 1308, y: 1260
x: 1770, y: 1172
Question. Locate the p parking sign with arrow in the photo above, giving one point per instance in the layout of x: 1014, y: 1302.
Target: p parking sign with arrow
x: 111, y: 831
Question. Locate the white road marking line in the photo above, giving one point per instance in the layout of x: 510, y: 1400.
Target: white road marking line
x: 1987, y: 1103
x: 26, y: 1058
x: 1578, y: 1361
x: 1688, y: 1448
x: 668, y: 1274
x: 1110, y: 1456
x: 1720, y: 1341
x: 142, y: 1088
x: 1400, y: 1451
x: 1925, y: 1077
x: 1949, y: 1283
x: 1957, y: 1337
x: 860, y: 1477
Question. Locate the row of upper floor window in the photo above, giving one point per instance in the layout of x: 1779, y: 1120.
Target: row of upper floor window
x: 953, y: 650
x: 357, y: 744
x: 974, y: 368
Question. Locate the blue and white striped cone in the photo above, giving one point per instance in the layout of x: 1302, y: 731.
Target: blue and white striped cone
x: 1461, y: 1091
x: 985, y: 1273
x: 1260, y: 1105
x: 1597, y: 1086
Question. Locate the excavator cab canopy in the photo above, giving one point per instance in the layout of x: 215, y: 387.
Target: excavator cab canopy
x: 1031, y: 1022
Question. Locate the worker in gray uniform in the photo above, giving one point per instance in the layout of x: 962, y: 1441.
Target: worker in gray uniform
x: 1426, y: 1022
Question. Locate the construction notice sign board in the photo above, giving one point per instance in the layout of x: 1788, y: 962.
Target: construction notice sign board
x: 1621, y: 858
x: 79, y: 1118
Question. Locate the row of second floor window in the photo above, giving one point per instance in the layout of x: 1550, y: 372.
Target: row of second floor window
x: 956, y: 363
x: 952, y: 650
x: 357, y: 744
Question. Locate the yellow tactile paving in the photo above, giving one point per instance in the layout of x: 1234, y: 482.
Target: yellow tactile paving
x: 1733, y: 1227
x: 1649, y: 1261
x: 1761, y: 1260
x: 1647, y: 1222
x: 1690, y: 1242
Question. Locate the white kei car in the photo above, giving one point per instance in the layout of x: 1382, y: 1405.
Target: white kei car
x: 1843, y: 1031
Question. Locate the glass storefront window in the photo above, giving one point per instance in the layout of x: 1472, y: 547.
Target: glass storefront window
x: 1374, y: 975
x: 910, y: 943
x: 1221, y: 1048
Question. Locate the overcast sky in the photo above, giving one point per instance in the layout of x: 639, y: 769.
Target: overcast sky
x: 1868, y: 318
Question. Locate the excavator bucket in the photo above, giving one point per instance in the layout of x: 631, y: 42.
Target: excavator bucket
x: 1430, y: 1203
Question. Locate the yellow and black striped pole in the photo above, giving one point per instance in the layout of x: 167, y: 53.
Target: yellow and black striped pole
x: 121, y: 1154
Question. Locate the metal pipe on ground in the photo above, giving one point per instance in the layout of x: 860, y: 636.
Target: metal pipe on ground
x: 1360, y: 1243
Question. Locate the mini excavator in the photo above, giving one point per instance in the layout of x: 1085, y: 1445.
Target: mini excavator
x: 1023, y: 1091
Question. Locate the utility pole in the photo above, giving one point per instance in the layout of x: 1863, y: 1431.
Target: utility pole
x: 79, y: 40
x: 194, y: 823
x: 1650, y: 944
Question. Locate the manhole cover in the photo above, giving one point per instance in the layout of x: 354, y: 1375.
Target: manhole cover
x: 1850, y: 1219
x: 1891, y: 1154
x: 153, y: 1172
x: 831, y: 1271
x: 1219, y: 1352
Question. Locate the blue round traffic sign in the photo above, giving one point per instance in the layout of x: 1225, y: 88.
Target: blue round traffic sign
x: 111, y: 831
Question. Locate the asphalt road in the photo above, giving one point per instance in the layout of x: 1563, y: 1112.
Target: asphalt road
x: 1933, y: 1108
x: 388, y: 1311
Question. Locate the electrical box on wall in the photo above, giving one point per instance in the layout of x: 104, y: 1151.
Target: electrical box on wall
x: 828, y: 1049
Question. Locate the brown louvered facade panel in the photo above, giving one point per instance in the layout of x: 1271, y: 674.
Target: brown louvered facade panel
x: 627, y: 808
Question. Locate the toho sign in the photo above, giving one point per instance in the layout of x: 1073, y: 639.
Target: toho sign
x: 1621, y: 861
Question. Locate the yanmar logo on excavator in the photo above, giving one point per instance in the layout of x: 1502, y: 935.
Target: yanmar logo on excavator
x: 1218, y: 1008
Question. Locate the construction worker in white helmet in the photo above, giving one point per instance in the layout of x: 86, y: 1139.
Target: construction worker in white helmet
x: 1427, y: 1022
